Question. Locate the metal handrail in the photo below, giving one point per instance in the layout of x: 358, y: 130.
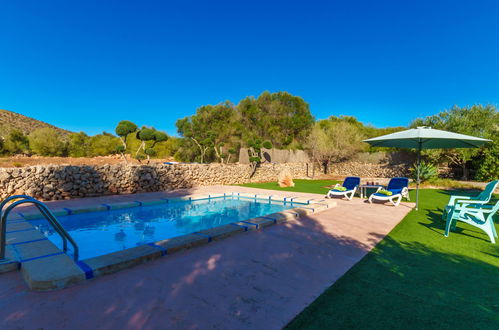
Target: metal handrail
x: 48, y: 215
x: 44, y: 211
x: 8, y: 199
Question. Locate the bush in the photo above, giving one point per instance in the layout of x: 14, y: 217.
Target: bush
x: 16, y: 143
x: 488, y: 165
x: 47, y: 142
x: 79, y: 144
x: 103, y: 144
x: 427, y: 171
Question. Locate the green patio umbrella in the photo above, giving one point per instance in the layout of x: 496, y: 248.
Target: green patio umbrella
x: 426, y: 138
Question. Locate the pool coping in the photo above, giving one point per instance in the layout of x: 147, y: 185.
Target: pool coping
x: 45, y: 267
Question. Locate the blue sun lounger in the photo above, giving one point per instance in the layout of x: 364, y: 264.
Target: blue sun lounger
x: 350, y: 184
x: 399, y: 187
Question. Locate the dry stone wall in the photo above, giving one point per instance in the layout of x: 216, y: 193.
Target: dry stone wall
x: 368, y: 170
x: 64, y: 182
x: 53, y: 182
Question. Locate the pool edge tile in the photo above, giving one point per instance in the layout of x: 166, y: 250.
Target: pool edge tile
x: 220, y: 232
x: 116, y: 261
x: 184, y: 242
x: 62, y: 273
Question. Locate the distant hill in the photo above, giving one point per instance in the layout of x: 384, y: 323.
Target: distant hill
x: 10, y: 120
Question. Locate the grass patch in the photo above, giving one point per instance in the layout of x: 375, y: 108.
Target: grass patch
x: 414, y: 278
x: 306, y: 186
x: 447, y: 184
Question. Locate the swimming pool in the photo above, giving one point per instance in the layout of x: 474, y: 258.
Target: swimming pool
x: 99, y: 233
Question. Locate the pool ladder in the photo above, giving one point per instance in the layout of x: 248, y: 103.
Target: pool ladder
x: 44, y: 210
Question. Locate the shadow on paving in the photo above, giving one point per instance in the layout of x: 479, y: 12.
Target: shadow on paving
x: 253, y: 280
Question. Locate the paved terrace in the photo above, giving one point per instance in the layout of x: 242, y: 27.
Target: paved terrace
x: 260, y: 279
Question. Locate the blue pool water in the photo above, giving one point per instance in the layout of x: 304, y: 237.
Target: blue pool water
x: 99, y: 233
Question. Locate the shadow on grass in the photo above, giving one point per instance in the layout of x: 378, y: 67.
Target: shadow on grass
x: 434, y: 221
x: 411, y: 285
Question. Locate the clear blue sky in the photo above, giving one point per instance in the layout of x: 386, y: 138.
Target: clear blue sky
x: 85, y: 65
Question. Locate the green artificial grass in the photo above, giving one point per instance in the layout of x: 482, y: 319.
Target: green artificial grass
x: 414, y: 278
x: 307, y: 186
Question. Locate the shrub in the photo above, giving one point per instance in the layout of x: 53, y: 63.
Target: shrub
x: 488, y: 165
x: 427, y: 171
x: 103, y: 144
x: 47, y: 142
x: 79, y: 145
x: 16, y: 142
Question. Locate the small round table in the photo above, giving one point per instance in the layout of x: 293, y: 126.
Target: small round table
x: 363, y: 189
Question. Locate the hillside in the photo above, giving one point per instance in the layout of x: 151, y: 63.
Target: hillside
x: 10, y: 120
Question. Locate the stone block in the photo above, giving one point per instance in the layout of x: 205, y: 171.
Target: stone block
x: 183, y: 242
x: 199, y: 197
x: 113, y: 262
x: 283, y: 216
x: 247, y: 195
x: 300, y: 200
x: 264, y: 197
x: 51, y: 273
x: 10, y: 263
x: 221, y: 232
x: 217, y: 195
x: 153, y: 202
x: 261, y: 222
x: 98, y: 208
x: 126, y: 205
x: 302, y: 211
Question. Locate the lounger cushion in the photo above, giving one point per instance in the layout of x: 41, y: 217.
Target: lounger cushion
x: 383, y: 195
x: 395, y: 191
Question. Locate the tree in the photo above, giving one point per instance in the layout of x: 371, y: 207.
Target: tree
x: 123, y: 130
x: 280, y: 117
x: 488, y: 163
x: 168, y: 148
x: 318, y: 146
x: 212, y: 131
x: 16, y: 142
x: 334, y: 140
x: 47, y: 142
x: 157, y: 137
x: 79, y: 145
x: 477, y: 120
x: 217, y: 132
x: 149, y: 134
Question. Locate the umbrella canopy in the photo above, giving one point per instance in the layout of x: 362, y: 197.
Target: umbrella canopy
x: 426, y: 138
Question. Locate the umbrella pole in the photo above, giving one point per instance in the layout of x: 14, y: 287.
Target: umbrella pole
x: 417, y: 175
